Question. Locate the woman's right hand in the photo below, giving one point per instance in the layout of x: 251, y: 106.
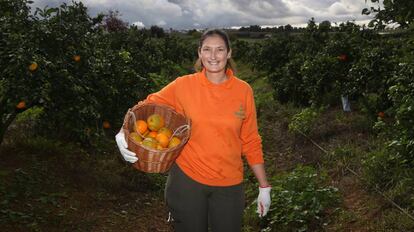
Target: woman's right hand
x: 123, y: 147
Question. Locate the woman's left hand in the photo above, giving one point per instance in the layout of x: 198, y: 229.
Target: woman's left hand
x: 263, y: 201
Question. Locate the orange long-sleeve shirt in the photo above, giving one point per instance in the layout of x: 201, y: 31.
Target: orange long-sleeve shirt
x: 224, y: 127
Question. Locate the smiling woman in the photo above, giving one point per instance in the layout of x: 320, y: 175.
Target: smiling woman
x: 205, y: 184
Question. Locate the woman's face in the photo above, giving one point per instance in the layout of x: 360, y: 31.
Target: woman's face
x: 214, y: 54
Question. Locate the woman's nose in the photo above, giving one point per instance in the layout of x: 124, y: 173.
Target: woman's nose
x: 213, y: 55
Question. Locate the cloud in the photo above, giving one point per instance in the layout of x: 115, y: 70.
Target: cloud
x: 187, y: 14
x: 138, y: 24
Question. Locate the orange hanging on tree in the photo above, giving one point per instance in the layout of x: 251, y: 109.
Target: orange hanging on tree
x: 33, y: 66
x: 76, y: 58
x: 21, y: 105
x: 343, y: 57
x: 106, y: 125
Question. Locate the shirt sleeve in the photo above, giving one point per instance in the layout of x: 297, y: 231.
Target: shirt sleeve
x: 251, y: 140
x: 166, y: 96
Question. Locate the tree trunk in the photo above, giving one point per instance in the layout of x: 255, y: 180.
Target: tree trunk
x: 6, y: 120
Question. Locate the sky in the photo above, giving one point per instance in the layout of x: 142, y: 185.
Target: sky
x: 199, y: 14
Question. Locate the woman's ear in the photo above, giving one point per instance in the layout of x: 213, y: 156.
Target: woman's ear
x: 229, y: 54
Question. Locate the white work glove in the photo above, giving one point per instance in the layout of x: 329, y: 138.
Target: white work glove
x: 123, y: 145
x: 263, y: 201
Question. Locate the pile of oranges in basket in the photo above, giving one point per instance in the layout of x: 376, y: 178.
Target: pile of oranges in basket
x: 152, y: 133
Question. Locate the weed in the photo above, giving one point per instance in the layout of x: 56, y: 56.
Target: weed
x: 304, y: 120
x: 299, y: 201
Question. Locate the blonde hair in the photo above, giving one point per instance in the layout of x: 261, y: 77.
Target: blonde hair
x: 198, y: 66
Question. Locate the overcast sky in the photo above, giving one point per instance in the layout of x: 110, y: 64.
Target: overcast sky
x: 188, y: 14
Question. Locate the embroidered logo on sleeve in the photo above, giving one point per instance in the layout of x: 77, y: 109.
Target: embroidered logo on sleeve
x: 241, y: 113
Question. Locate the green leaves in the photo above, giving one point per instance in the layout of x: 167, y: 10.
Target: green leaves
x: 299, y: 200
x: 85, y: 74
x: 400, y: 11
x: 303, y: 121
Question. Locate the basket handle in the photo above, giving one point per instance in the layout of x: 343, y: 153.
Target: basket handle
x: 135, y: 123
x: 180, y: 130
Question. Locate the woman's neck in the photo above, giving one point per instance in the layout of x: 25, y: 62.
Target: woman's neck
x: 216, y: 78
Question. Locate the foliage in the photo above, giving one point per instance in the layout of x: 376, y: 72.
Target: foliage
x: 17, y: 52
x: 241, y: 50
x: 372, y: 73
x: 80, y: 70
x: 299, y: 200
x: 301, y: 68
x: 390, y: 168
x: 303, y: 121
x: 402, y: 96
x: 388, y: 172
x: 272, y: 54
x: 394, y: 11
x: 374, y: 70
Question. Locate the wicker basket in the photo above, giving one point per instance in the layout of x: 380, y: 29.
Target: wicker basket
x: 152, y: 160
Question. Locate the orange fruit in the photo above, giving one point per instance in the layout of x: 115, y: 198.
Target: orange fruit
x: 141, y: 126
x: 155, y: 122
x: 21, y: 105
x: 162, y: 139
x: 152, y: 134
x: 342, y: 57
x: 33, y: 66
x: 76, y: 58
x: 159, y: 147
x: 165, y: 130
x: 106, y: 125
x: 135, y: 136
x: 174, y: 142
x: 150, y: 143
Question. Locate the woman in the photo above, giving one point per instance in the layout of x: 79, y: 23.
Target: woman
x: 204, y: 186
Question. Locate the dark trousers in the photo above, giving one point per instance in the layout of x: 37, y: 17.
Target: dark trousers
x: 194, y: 206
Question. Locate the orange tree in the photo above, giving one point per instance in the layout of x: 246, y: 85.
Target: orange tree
x: 372, y: 74
x: 83, y: 76
x: 66, y: 38
x: 402, y: 96
x: 317, y: 67
x: 22, y: 83
x: 112, y: 73
x: 391, y: 168
x: 43, y: 57
x: 298, y: 66
x: 124, y: 67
